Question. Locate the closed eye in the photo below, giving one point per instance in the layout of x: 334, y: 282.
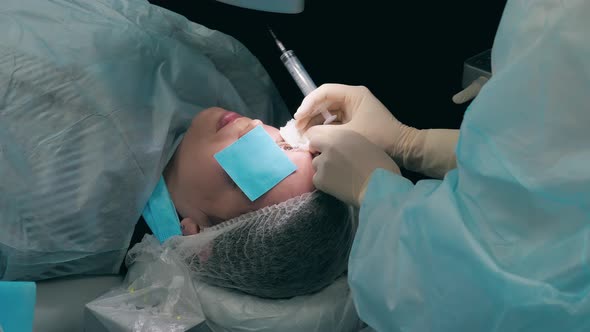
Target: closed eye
x: 285, y: 146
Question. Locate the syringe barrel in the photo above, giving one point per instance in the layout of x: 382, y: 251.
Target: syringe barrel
x: 298, y: 73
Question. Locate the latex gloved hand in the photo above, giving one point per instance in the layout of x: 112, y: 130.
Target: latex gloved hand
x: 357, y: 109
x: 430, y: 152
x: 471, y: 91
x: 346, y: 163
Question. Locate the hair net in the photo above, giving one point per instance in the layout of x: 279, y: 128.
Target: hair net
x: 293, y: 248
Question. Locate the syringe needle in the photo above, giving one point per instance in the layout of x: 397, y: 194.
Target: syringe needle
x: 299, y: 74
x: 277, y: 41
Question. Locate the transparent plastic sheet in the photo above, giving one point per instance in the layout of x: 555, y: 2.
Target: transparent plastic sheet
x: 157, y: 294
x: 94, y: 98
x: 251, y: 273
x: 161, y: 294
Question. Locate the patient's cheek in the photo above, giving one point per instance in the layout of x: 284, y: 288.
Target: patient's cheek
x: 303, y: 160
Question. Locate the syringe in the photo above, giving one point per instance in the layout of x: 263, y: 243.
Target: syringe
x: 300, y: 75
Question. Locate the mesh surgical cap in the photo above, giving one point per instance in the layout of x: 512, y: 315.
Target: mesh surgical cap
x: 293, y: 248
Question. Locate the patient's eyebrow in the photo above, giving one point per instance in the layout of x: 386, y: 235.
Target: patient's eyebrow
x: 285, y: 146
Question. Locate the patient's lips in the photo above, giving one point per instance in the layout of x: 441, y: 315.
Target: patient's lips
x: 227, y: 118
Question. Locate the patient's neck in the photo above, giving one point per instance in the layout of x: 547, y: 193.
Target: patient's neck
x: 172, y: 183
x: 181, y: 194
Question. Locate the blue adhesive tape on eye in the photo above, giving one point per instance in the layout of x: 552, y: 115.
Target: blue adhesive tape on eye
x: 17, y: 305
x: 160, y: 214
x: 256, y: 163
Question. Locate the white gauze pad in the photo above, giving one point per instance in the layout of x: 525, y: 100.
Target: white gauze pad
x: 293, y: 137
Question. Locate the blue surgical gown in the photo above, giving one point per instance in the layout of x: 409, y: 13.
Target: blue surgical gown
x: 501, y: 244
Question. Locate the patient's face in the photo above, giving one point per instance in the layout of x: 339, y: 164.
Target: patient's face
x: 202, y: 190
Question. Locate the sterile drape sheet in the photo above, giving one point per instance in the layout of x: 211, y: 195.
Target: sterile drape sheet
x: 94, y: 97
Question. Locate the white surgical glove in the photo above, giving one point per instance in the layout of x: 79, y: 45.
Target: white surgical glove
x: 346, y: 163
x: 430, y: 152
x: 471, y: 91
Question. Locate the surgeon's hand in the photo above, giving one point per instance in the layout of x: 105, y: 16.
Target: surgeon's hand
x: 471, y: 91
x: 429, y: 151
x: 356, y: 109
x: 346, y: 162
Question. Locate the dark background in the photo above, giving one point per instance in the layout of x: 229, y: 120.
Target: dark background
x: 410, y: 54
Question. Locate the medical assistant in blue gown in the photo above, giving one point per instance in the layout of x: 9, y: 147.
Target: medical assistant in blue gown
x: 501, y: 243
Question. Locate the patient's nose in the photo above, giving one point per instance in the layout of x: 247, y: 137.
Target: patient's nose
x: 249, y: 125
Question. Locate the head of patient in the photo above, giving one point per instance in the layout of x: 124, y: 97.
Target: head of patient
x: 203, y: 193
x: 291, y: 241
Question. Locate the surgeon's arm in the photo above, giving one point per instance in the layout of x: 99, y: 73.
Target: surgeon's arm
x: 432, y: 151
x: 429, y: 151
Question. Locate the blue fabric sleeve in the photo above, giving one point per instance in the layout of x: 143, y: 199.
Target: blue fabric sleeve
x: 501, y: 243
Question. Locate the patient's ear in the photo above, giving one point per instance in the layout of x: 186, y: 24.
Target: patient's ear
x: 194, y: 225
x: 189, y: 227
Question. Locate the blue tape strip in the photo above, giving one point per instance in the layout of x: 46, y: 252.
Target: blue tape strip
x: 17, y: 306
x: 160, y: 213
x: 255, y: 162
